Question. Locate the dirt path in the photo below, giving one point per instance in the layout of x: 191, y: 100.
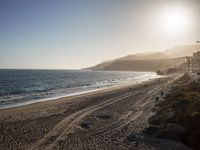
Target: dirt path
x: 114, y: 123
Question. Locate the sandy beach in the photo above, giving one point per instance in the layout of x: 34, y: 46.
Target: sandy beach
x: 99, y: 75
x: 108, y: 119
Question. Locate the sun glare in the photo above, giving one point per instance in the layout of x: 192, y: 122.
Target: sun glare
x: 174, y: 20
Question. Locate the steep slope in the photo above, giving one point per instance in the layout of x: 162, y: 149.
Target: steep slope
x: 149, y: 61
x: 100, y: 66
x: 182, y: 51
x: 144, y: 65
x: 144, y: 56
x: 138, y: 56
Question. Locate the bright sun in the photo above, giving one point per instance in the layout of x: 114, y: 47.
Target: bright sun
x: 174, y: 20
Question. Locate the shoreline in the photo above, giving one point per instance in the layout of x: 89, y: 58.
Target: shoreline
x: 78, y: 95
x: 118, y: 85
x: 87, y: 119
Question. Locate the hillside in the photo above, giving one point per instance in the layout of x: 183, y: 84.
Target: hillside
x: 100, y: 66
x: 144, y: 65
x: 148, y: 61
x: 181, y: 51
x: 177, y: 117
x: 144, y: 56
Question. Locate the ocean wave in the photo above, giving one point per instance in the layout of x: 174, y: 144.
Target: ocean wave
x: 49, y: 84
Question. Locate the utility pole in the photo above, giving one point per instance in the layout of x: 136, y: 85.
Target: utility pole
x: 198, y: 42
x: 188, y: 65
x: 198, y: 61
x: 192, y: 62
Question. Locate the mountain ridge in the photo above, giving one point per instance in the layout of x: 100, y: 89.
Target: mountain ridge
x: 148, y: 61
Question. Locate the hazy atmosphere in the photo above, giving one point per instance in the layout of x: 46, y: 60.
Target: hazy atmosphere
x: 63, y: 34
x: 99, y: 74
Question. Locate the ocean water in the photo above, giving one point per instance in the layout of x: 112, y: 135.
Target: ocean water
x: 20, y: 87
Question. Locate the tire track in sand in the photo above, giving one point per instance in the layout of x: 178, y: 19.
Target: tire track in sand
x: 68, y: 124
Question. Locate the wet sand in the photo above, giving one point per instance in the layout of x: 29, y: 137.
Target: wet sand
x: 108, y: 119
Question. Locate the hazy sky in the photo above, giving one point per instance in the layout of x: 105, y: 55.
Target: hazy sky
x: 80, y: 33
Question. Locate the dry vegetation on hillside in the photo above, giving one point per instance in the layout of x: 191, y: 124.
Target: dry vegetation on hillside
x: 178, y: 116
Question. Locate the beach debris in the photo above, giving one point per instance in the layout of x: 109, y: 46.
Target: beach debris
x: 161, y: 93
x: 85, y: 125
x: 157, y: 98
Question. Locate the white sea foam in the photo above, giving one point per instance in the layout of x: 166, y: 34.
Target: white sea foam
x: 31, y: 86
